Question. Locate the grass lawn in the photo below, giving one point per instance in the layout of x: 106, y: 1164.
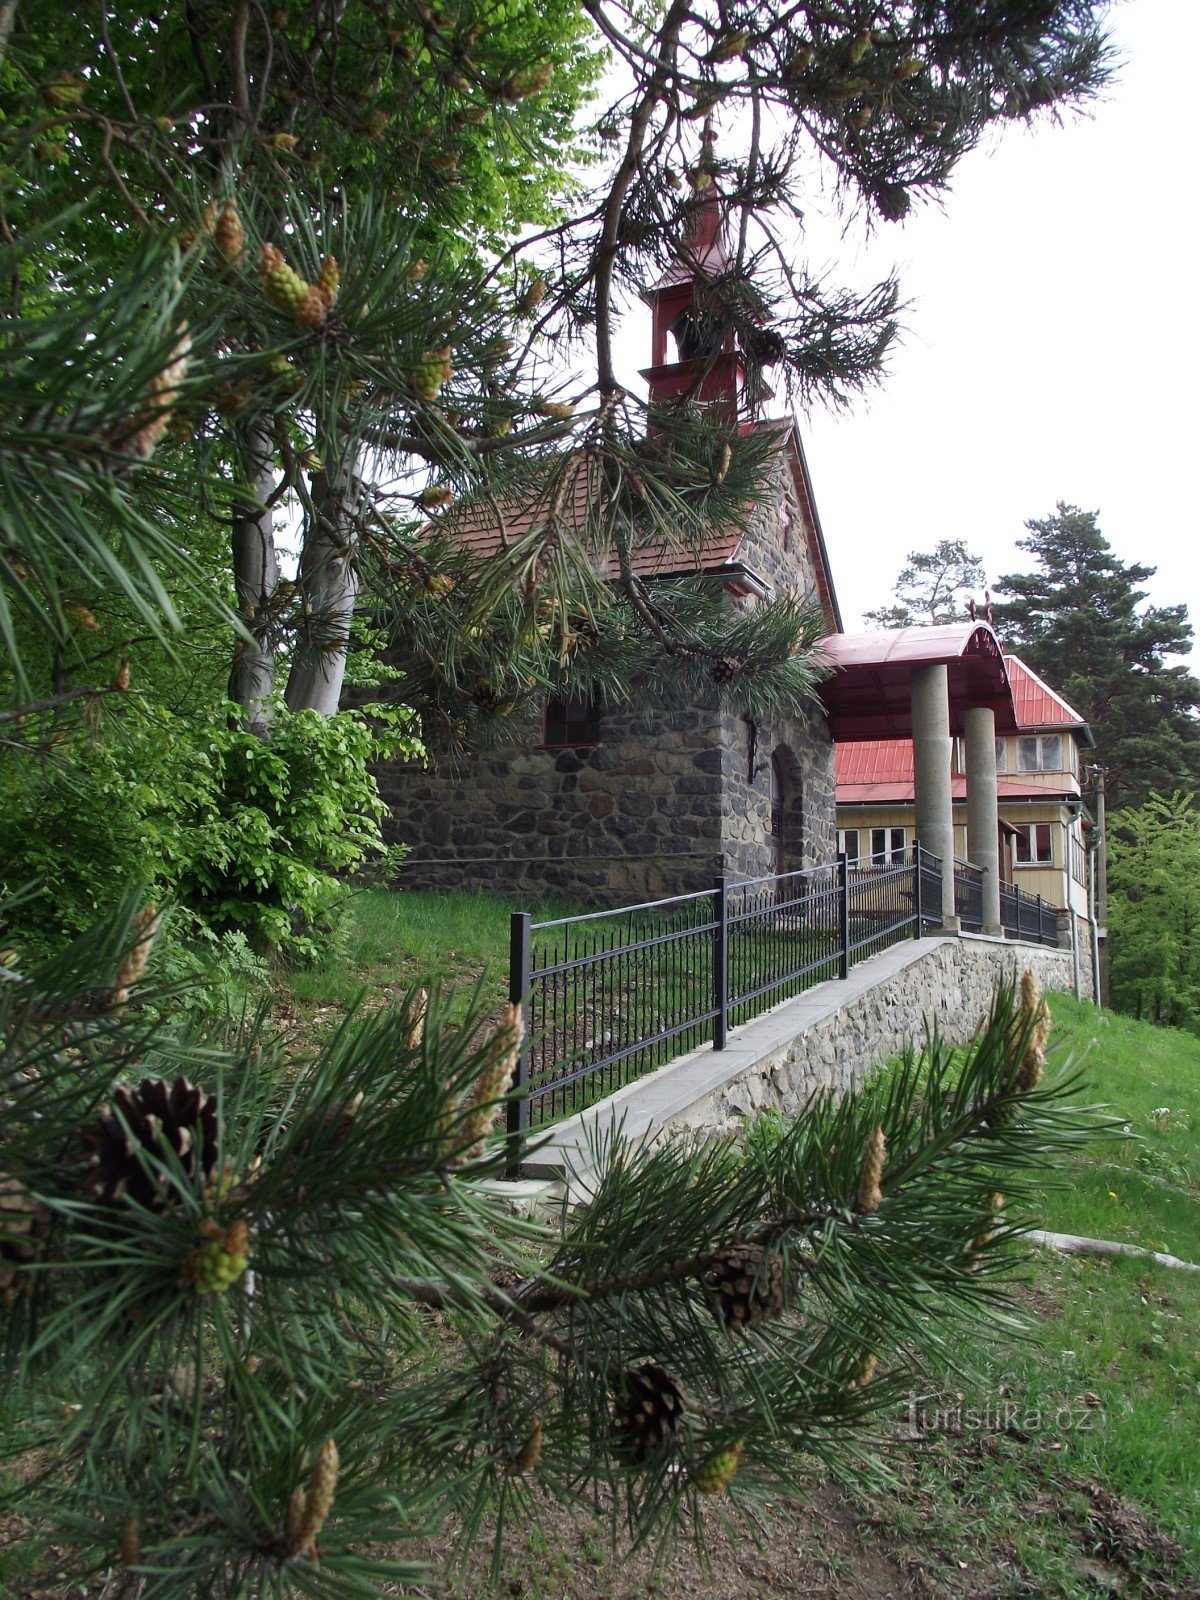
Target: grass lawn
x: 392, y: 940
x: 1080, y: 1472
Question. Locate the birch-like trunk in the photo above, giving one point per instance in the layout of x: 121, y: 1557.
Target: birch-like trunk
x: 327, y: 585
x: 255, y: 576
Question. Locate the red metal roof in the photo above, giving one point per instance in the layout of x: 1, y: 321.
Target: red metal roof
x: 868, y: 695
x: 1038, y: 705
x: 900, y: 793
x: 880, y: 771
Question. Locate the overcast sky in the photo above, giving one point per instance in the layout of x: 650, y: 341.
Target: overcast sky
x: 1052, y: 344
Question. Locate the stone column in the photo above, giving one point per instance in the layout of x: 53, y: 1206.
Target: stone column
x: 983, y: 819
x: 931, y: 770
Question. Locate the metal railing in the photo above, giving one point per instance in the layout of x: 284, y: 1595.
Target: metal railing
x: 1027, y: 916
x: 968, y: 896
x: 610, y: 995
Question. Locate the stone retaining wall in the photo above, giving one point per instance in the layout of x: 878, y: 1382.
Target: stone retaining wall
x: 951, y: 983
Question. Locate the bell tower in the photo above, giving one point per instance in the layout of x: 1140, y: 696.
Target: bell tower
x: 708, y: 368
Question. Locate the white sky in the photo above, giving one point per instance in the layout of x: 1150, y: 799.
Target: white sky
x: 1052, y: 342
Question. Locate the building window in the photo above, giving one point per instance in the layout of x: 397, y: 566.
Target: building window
x: 1001, y: 755
x: 1040, y: 753
x: 848, y: 844
x: 1035, y: 844
x: 572, y: 720
x: 887, y: 845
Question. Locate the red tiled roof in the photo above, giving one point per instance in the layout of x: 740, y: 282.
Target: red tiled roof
x: 486, y: 525
x: 898, y: 792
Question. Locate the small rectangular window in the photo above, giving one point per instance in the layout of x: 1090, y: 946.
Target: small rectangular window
x: 1001, y: 755
x: 848, y: 843
x: 878, y: 844
x: 572, y: 720
x: 1035, y: 844
x: 1027, y: 754
x: 1052, y: 760
x: 897, y: 844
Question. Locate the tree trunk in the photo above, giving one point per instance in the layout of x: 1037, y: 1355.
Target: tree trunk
x: 255, y: 576
x: 328, y: 587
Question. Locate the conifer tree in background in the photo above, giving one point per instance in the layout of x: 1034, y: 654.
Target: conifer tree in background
x: 934, y: 586
x: 1080, y: 620
x: 253, y: 253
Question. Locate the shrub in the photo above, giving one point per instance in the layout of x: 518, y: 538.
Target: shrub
x: 246, y: 835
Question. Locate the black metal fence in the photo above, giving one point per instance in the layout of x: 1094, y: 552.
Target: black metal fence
x: 611, y: 995
x: 968, y: 896
x: 1027, y: 916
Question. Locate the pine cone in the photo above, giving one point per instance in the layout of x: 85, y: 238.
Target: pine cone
x: 24, y: 1223
x: 768, y: 346
x: 485, y: 697
x: 748, y: 1282
x: 714, y: 1475
x: 725, y: 670
x: 647, y: 1413
x: 311, y: 311
x: 177, y: 1116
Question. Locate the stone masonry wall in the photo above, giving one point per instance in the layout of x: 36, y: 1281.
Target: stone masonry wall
x: 637, y: 816
x: 660, y: 806
x: 805, y: 752
x: 951, y: 983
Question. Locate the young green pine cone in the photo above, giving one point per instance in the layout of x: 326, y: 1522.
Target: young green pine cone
x: 431, y: 372
x: 329, y: 281
x: 714, y: 1475
x: 220, y: 1261
x: 283, y: 287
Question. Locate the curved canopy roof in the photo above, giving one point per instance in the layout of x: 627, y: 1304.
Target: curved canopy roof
x: 869, y: 693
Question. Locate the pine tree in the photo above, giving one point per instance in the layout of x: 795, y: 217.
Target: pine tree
x: 218, y: 1268
x: 1081, y: 621
x: 934, y: 586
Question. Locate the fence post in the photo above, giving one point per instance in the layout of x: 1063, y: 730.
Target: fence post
x: 843, y: 870
x: 720, y: 962
x: 917, y: 888
x: 1040, y: 924
x: 517, y: 1110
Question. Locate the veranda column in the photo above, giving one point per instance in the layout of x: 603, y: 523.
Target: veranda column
x: 983, y: 820
x: 931, y: 770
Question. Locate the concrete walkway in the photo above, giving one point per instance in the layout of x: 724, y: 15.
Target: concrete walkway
x: 641, y: 1108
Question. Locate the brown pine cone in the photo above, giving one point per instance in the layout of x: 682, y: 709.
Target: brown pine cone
x: 748, y: 1283
x: 159, y: 1117
x: 648, y: 1411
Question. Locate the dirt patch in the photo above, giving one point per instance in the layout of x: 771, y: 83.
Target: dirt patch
x: 817, y: 1549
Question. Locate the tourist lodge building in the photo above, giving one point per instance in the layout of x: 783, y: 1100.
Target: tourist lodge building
x: 1038, y: 789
